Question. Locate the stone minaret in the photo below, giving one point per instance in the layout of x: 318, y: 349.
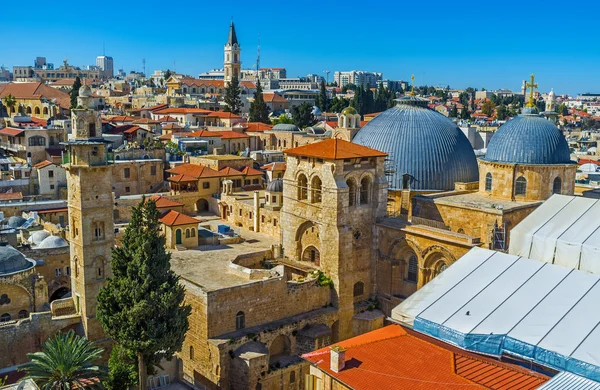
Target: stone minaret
x: 232, y: 63
x: 90, y: 204
x: 551, y: 102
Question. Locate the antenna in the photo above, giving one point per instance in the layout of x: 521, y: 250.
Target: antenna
x: 103, y: 49
x: 258, y: 58
x: 174, y: 67
x: 144, y: 66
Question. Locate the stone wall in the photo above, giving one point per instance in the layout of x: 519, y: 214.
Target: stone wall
x: 144, y: 176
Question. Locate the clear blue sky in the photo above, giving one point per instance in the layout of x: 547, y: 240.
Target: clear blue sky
x: 491, y: 44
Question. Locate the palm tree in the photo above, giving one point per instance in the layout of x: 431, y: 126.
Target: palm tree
x: 65, y: 363
x: 10, y: 102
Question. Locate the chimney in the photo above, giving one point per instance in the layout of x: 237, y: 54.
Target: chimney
x: 338, y: 358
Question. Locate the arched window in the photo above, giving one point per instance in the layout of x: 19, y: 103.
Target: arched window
x: 488, y: 182
x: 45, y: 110
x: 365, y: 189
x: 351, y: 192
x: 23, y: 314
x: 302, y: 187
x: 187, y: 233
x: 28, y: 110
x: 359, y: 289
x: 440, y: 267
x: 5, y: 317
x: 240, y: 320
x: 293, y: 377
x: 37, y: 141
x: 36, y: 111
x: 316, y: 189
x: 413, y: 269
x: 557, y: 186
x: 191, y: 352
x: 193, y: 231
x: 521, y: 186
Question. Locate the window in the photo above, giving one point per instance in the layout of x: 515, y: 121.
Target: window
x: 5, y: 317
x: 50, y: 173
x: 488, y: 182
x: 262, y: 219
x: 193, y: 232
x: 58, y: 272
x: 153, y: 170
x: 23, y: 314
x: 365, y: 189
x: 274, y: 197
x: 521, y: 186
x: 359, y: 289
x: 351, y: 192
x: 4, y: 299
x: 191, y: 352
x: 68, y: 271
x: 246, y: 182
x: 51, y: 186
x: 126, y: 173
x: 240, y: 212
x: 302, y: 187
x: 316, y: 190
x: 206, y: 185
x: 293, y: 377
x: 240, y: 320
x: 413, y: 269
x: 557, y: 186
x: 274, y: 222
x: 187, y: 233
x: 254, y: 181
x: 37, y: 141
x: 98, y: 231
x: 127, y: 189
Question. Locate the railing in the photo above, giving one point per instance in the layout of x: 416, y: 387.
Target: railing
x: 13, y: 147
x: 428, y: 222
x: 63, y: 307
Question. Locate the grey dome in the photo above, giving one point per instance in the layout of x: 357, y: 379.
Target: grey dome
x: 285, y: 127
x: 16, y: 222
x: 38, y: 236
x: 52, y: 242
x: 422, y: 143
x: 275, y: 186
x: 12, y: 261
x: 528, y: 139
x: 85, y: 91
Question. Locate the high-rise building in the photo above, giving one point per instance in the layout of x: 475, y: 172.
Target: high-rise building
x: 359, y: 78
x: 105, y: 63
x: 232, y: 63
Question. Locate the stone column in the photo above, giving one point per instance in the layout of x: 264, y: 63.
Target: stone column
x: 256, y: 212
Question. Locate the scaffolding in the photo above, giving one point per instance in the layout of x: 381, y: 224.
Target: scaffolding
x: 389, y: 170
x: 499, y: 237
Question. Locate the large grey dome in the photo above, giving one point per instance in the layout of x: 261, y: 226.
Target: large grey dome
x: 16, y: 222
x: 52, y: 242
x: 285, y: 127
x: 12, y: 261
x: 422, y: 143
x: 528, y: 139
x: 275, y: 186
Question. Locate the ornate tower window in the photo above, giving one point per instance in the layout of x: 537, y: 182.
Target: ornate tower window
x: 521, y: 186
x: 488, y: 182
x: 351, y: 192
x: 365, y: 190
x: 316, y: 190
x: 98, y: 231
x: 413, y: 269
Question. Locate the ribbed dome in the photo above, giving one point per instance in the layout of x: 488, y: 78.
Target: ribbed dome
x: 38, y: 237
x: 16, y: 222
x: 275, y: 186
x: 52, y: 242
x: 285, y: 127
x: 349, y: 111
x: 528, y: 139
x: 422, y: 143
x: 11, y: 261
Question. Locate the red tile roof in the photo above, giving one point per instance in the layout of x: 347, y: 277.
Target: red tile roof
x: 182, y: 179
x: 133, y: 130
x: 12, y: 132
x: 167, y: 118
x: 121, y: 118
x: 228, y: 171
x: 172, y: 126
x: 147, y: 121
x: 248, y: 171
x: 35, y: 91
x: 257, y: 126
x: 222, y: 115
x: 11, y: 196
x: 43, y: 164
x: 274, y: 166
x: 162, y: 202
x: 274, y: 98
x: 174, y: 110
x: 175, y: 218
x: 373, y: 114
x: 194, y: 170
x: 204, y: 133
x: 393, y: 358
x: 232, y: 135
x: 334, y: 149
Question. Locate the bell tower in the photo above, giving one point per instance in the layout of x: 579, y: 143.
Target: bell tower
x: 232, y: 64
x: 90, y: 202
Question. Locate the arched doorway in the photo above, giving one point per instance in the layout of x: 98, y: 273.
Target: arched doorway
x: 178, y: 237
x: 60, y: 293
x: 312, y: 254
x: 201, y: 205
x: 279, y: 348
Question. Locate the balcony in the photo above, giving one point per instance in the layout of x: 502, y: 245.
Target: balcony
x: 63, y: 307
x: 13, y: 147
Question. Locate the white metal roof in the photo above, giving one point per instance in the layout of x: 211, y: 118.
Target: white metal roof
x: 567, y: 381
x: 564, y: 230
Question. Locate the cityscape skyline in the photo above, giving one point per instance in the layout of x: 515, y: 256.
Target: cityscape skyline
x: 433, y: 49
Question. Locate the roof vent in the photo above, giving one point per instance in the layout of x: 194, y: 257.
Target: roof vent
x: 338, y: 358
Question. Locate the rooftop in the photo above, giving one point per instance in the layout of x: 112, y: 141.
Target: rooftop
x: 334, y: 149
x: 175, y: 218
x: 477, y: 201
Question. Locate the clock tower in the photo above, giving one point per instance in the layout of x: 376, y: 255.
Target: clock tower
x: 90, y: 204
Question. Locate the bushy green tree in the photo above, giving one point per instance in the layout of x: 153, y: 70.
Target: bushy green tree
x: 337, y: 104
x: 501, y: 113
x: 259, y: 111
x: 302, y: 115
x: 122, y: 369
x: 454, y: 112
x: 322, y: 101
x: 65, y: 363
x: 233, y: 101
x: 562, y: 109
x: 464, y: 113
x: 168, y: 74
x: 75, y: 92
x: 488, y: 108
x: 283, y: 118
x: 141, y: 307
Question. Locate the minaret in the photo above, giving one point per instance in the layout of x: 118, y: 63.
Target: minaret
x: 90, y: 204
x: 551, y: 101
x: 232, y: 63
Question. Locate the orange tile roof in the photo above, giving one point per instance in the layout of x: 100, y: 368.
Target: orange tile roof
x: 274, y: 98
x: 332, y: 124
x: 43, y: 164
x: 232, y: 135
x: 194, y: 170
x: 133, y: 130
x: 393, y: 358
x: 12, y: 132
x: 182, y: 179
x: 175, y: 218
x: 334, y: 149
x: 11, y: 196
x: 373, y: 114
x: 162, y: 202
x: 274, y: 166
x: 167, y: 118
x: 204, y: 133
x: 248, y: 171
x: 146, y: 121
x: 257, y: 126
x: 228, y: 171
x: 121, y: 118
x: 222, y: 115
x: 50, y: 211
x: 36, y: 91
x: 172, y: 126
x: 174, y: 110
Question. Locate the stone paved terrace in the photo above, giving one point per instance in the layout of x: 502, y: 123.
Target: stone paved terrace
x: 479, y: 201
x: 208, y: 266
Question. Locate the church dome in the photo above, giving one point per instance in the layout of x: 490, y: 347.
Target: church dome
x: 52, y: 242
x: 85, y: 91
x: 422, y: 143
x: 12, y: 261
x: 349, y: 111
x: 285, y: 127
x: 37, y: 237
x: 275, y: 186
x: 16, y: 222
x: 528, y: 139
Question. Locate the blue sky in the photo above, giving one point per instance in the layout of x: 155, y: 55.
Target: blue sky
x: 470, y: 43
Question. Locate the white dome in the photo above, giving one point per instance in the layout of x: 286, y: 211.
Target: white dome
x: 37, y: 237
x: 52, y: 242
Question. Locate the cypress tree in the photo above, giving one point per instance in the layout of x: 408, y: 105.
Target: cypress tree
x: 232, y: 98
x: 259, y: 111
x: 75, y: 92
x: 322, y: 101
x: 141, y: 307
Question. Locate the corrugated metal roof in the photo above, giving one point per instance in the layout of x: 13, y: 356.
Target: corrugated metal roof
x: 567, y: 381
x: 422, y: 143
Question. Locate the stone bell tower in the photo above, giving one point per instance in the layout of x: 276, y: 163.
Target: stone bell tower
x: 232, y: 63
x: 90, y: 202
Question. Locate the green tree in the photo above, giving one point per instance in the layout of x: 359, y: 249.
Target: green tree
x: 541, y: 105
x: 75, y: 92
x: 488, y: 108
x: 302, y: 115
x: 65, y: 363
x: 259, y: 111
x: 501, y: 113
x: 322, y: 102
x: 562, y: 109
x: 283, y: 118
x: 141, y: 307
x: 454, y: 112
x: 232, y: 99
x: 10, y: 102
x: 463, y: 98
x: 122, y: 369
x: 337, y: 104
x: 168, y: 74
x: 464, y: 113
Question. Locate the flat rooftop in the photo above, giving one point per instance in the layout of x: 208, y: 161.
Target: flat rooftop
x: 222, y: 157
x: 478, y: 201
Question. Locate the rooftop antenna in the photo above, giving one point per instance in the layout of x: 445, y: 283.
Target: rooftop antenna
x: 144, y: 66
x: 258, y: 58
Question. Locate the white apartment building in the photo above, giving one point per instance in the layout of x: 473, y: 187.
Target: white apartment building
x: 359, y: 78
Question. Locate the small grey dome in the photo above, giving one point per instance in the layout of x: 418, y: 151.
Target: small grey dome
x: 38, y: 236
x: 528, y: 139
x: 316, y: 111
x: 275, y: 186
x: 13, y: 261
x: 85, y: 91
x: 421, y: 143
x: 285, y: 127
x: 53, y: 242
x: 16, y: 222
